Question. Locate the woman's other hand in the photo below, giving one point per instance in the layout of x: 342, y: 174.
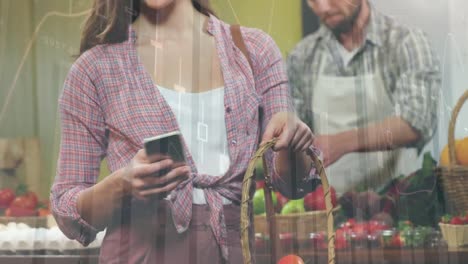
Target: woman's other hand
x: 144, y: 179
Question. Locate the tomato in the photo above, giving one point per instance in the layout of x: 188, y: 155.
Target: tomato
x: 396, y: 241
x: 43, y: 212
x: 25, y: 201
x: 8, y: 212
x: 350, y: 223
x: 376, y: 226
x: 33, y: 197
x: 341, y: 242
x: 21, y: 212
x: 456, y: 221
x: 6, y: 197
x: 291, y: 259
x: 344, y: 232
x: 360, y: 231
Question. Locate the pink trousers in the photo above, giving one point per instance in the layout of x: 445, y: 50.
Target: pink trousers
x: 145, y: 233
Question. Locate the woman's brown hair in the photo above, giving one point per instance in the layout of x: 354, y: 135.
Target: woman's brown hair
x: 109, y: 20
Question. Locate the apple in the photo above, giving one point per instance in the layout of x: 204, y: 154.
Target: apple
x: 259, y: 184
x: 259, y: 201
x: 316, y: 200
x: 293, y: 206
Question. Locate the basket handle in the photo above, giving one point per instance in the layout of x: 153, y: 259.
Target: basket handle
x: 451, y: 132
x: 246, y: 200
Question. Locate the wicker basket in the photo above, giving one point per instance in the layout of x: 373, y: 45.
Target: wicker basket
x: 275, y: 222
x: 301, y: 224
x: 454, y: 177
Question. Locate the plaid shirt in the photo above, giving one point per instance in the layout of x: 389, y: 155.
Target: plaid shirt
x: 403, y: 57
x: 109, y: 104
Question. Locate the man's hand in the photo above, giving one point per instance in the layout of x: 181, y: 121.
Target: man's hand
x: 333, y: 148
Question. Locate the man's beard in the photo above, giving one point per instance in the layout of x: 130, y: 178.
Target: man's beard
x: 347, y: 24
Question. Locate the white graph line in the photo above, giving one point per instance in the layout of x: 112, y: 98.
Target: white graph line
x: 26, y: 53
x: 5, y: 15
x: 233, y: 11
x: 272, y: 13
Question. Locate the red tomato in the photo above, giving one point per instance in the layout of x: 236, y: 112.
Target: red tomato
x: 456, y: 221
x: 341, y: 242
x: 21, y: 212
x: 6, y: 197
x: 25, y: 201
x: 8, y: 212
x: 376, y: 226
x: 291, y: 259
x: 343, y: 232
x: 33, y: 197
x: 396, y: 241
x: 316, y: 200
x: 360, y: 231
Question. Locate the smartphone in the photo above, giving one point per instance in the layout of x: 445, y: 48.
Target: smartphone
x: 168, y: 145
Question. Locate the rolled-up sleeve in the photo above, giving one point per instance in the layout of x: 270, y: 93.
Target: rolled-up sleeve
x: 418, y: 85
x: 81, y: 151
x: 272, y: 84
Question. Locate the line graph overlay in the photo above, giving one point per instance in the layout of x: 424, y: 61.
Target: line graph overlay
x: 11, y: 89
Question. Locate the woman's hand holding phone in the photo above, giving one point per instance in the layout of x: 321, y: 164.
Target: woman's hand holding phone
x: 144, y: 178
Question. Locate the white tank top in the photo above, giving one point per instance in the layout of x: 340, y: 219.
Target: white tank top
x: 201, y: 121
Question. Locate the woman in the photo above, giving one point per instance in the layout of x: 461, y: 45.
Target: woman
x: 139, y: 60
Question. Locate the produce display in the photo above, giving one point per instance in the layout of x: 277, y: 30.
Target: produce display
x: 417, y: 197
x: 404, y: 213
x: 22, y: 203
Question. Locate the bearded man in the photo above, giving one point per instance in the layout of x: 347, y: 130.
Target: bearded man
x: 368, y: 87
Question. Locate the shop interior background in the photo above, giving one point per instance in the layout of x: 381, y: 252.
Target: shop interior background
x: 38, y: 39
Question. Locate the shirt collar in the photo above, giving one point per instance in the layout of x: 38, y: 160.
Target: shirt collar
x: 374, y: 28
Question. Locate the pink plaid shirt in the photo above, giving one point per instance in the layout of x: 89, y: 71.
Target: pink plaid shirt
x: 109, y: 104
